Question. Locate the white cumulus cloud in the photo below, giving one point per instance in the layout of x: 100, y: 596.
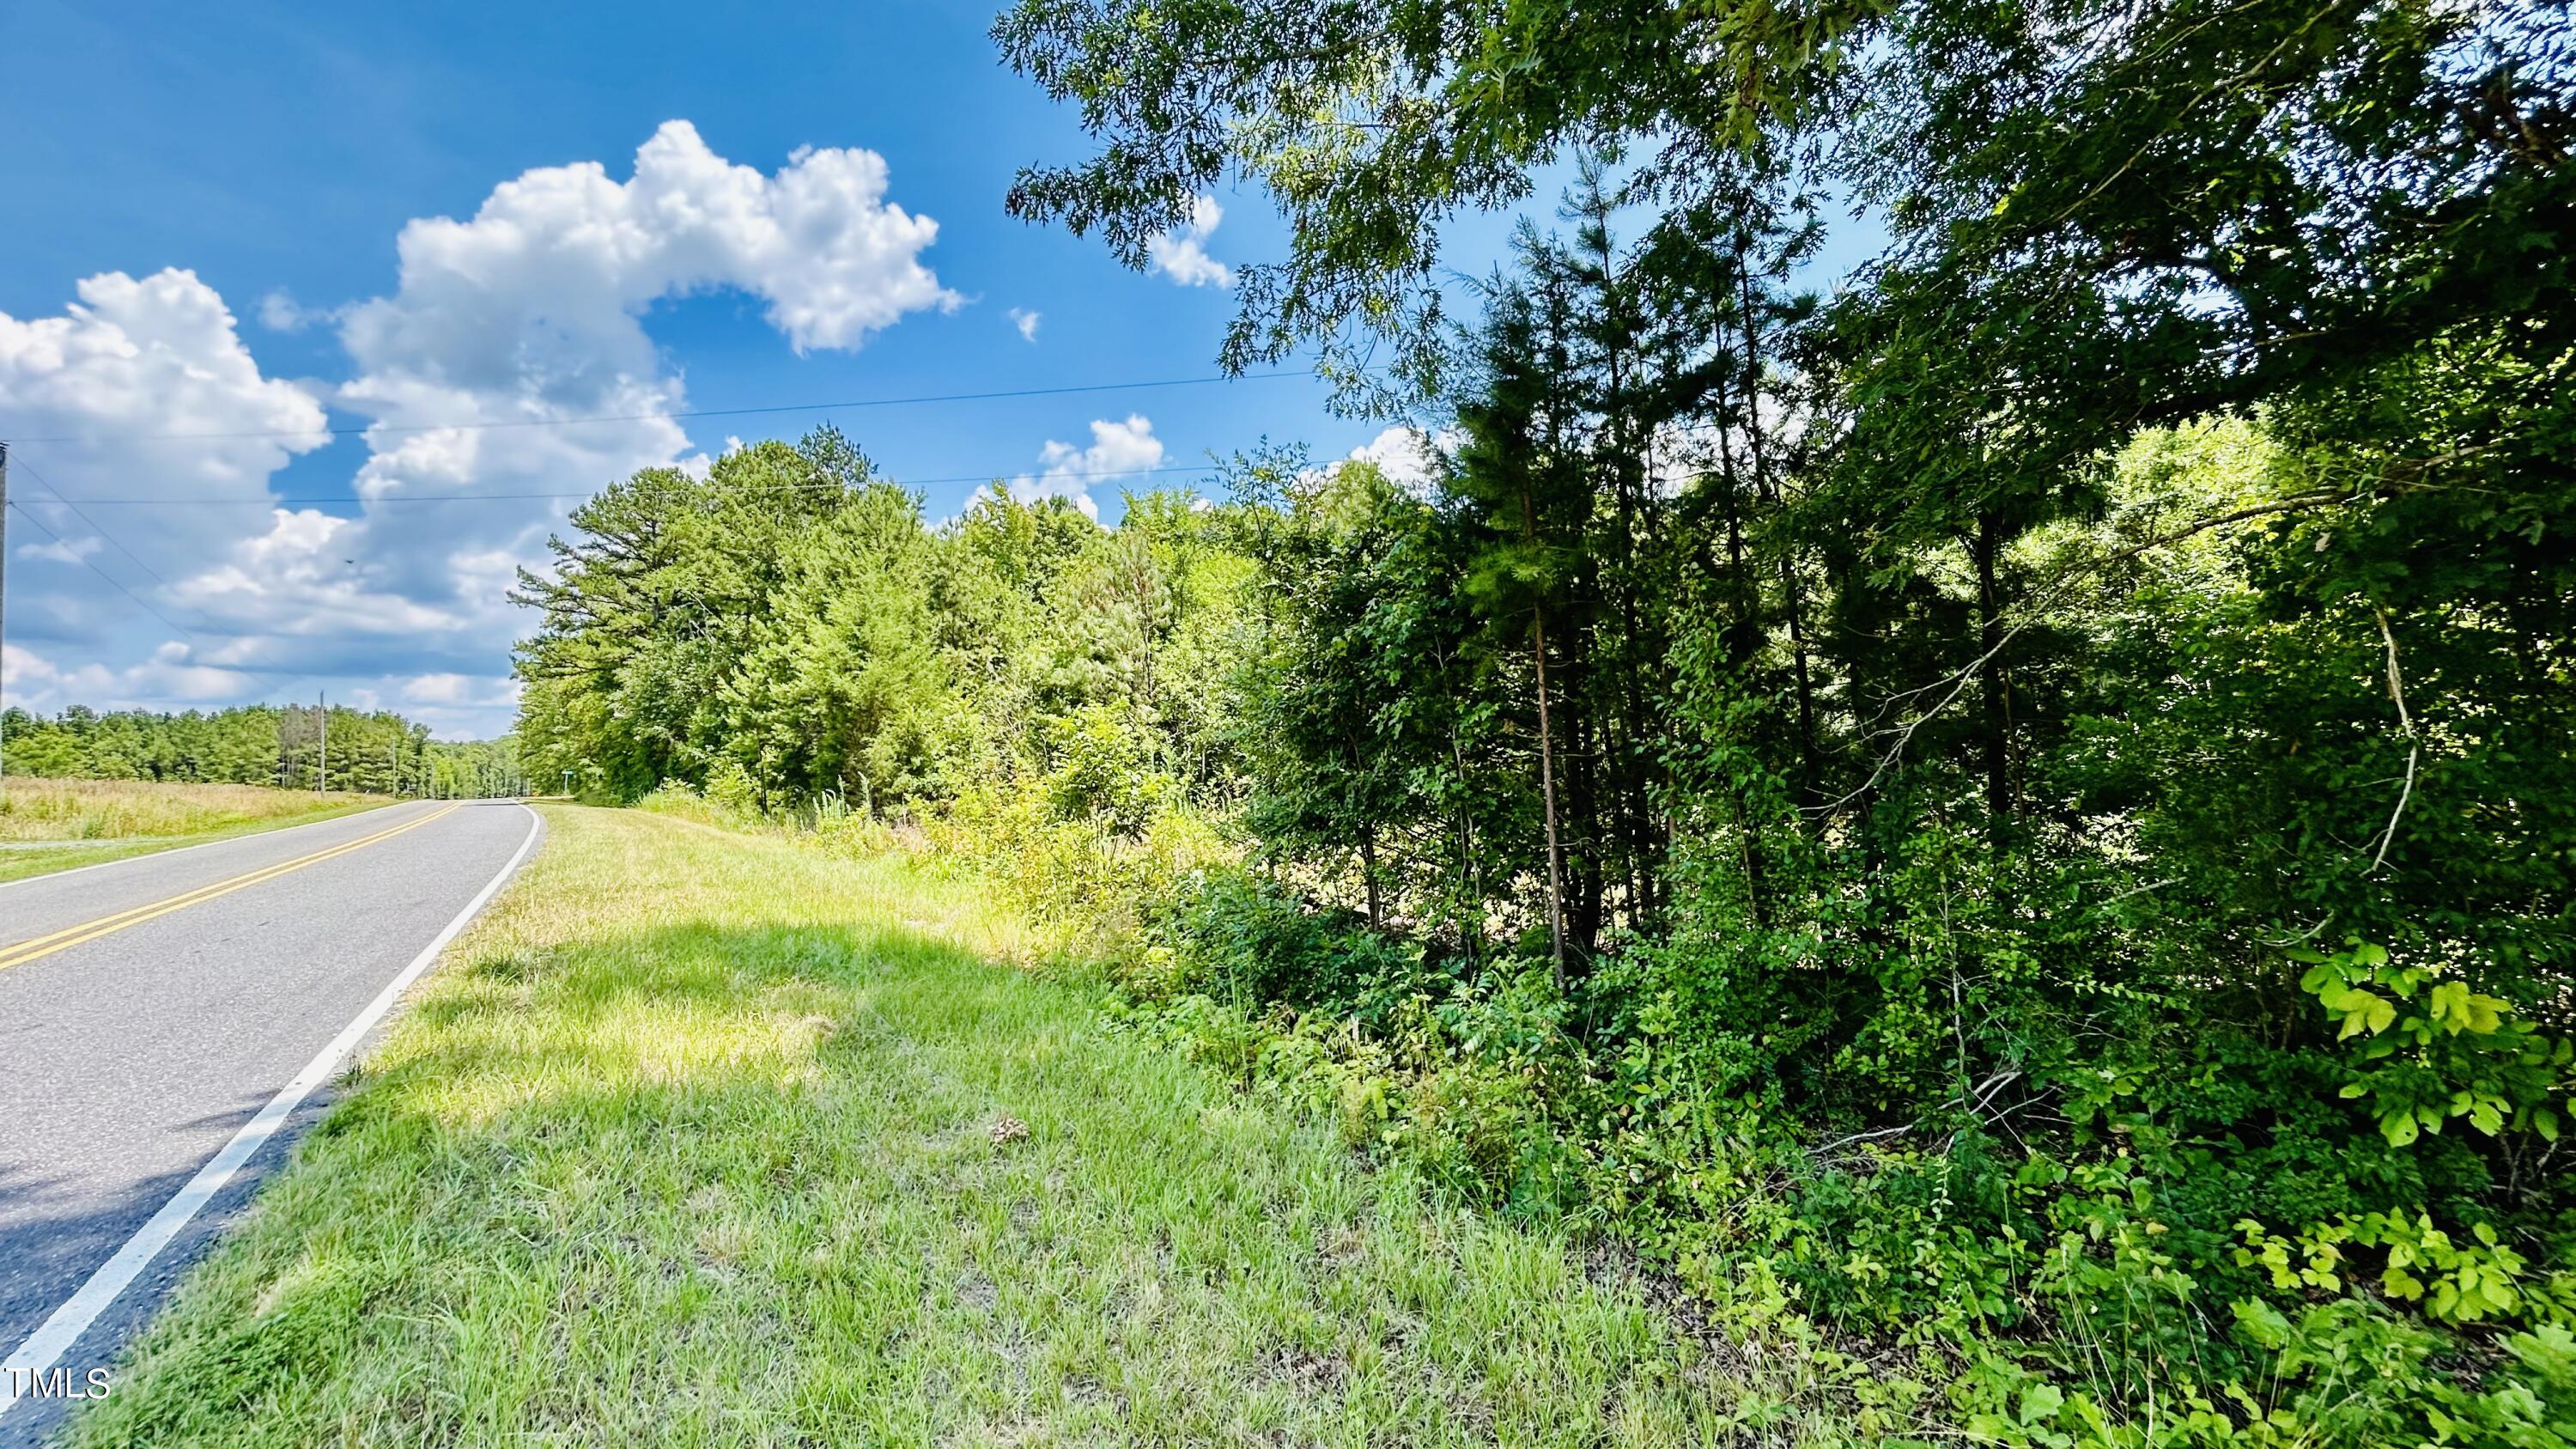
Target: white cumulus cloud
x: 1120, y: 453
x: 60, y: 550
x: 1181, y: 254
x: 133, y: 359
x: 280, y: 312
x: 523, y: 315
x: 1403, y: 454
x: 1027, y: 322
x: 168, y: 675
x: 530, y: 312
x: 449, y: 688
x: 560, y: 261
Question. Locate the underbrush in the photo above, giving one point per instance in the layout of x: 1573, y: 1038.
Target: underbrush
x: 2236, y: 1244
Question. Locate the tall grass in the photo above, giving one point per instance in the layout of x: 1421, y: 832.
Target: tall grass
x: 33, y: 809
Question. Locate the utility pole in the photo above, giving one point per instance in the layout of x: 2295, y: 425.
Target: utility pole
x: 4, y: 595
x: 393, y: 766
x: 324, y: 785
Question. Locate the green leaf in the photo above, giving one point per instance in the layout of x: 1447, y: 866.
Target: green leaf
x: 2449, y: 1006
x: 2041, y: 1403
x: 2381, y: 1014
x: 2486, y: 1013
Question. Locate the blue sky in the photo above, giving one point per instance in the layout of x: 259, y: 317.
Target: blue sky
x: 287, y: 165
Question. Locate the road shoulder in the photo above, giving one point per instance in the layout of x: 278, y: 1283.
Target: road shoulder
x: 173, y: 1221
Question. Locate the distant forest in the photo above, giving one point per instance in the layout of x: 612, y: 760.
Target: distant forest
x: 373, y: 751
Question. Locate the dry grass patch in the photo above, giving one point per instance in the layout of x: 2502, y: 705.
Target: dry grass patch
x: 48, y: 825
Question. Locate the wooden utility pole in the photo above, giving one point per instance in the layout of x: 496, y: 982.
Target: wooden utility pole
x: 323, y: 786
x: 4, y: 596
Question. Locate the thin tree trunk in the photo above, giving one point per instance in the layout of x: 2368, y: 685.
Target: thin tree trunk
x: 1762, y: 488
x: 1806, y: 690
x: 1998, y: 708
x: 1368, y: 872
x: 1628, y: 792
x: 1585, y: 765
x: 1470, y: 880
x: 1547, y: 788
x: 1744, y: 631
x: 1742, y: 628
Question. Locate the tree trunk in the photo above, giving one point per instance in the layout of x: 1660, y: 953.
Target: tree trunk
x: 1368, y: 872
x: 1579, y: 822
x: 1470, y: 880
x: 1762, y: 488
x: 1993, y: 681
x: 1583, y: 766
x: 1806, y: 690
x: 1547, y: 788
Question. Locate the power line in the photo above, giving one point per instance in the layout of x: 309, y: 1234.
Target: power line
x: 137, y: 559
x: 60, y: 497
x: 113, y: 581
x: 272, y: 681
x: 878, y: 402
x: 264, y: 500
x: 997, y: 475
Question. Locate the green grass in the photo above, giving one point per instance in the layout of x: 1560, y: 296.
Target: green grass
x: 691, y: 1141
x: 51, y: 825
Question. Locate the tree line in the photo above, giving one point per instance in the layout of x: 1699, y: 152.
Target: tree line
x: 376, y: 752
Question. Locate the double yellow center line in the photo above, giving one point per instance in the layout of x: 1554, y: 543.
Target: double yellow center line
x: 21, y: 952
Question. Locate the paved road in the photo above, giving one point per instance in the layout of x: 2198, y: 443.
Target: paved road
x: 156, y: 1015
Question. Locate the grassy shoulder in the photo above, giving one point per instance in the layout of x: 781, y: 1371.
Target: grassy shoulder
x: 52, y: 825
x: 707, y: 1138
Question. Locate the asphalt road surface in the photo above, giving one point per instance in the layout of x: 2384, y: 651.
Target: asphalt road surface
x: 167, y: 1025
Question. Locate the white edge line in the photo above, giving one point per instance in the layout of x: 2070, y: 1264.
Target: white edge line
x: 169, y: 851
x: 58, y: 1333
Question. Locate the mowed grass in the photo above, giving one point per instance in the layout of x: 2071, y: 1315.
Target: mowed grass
x: 49, y: 825
x: 692, y: 1141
